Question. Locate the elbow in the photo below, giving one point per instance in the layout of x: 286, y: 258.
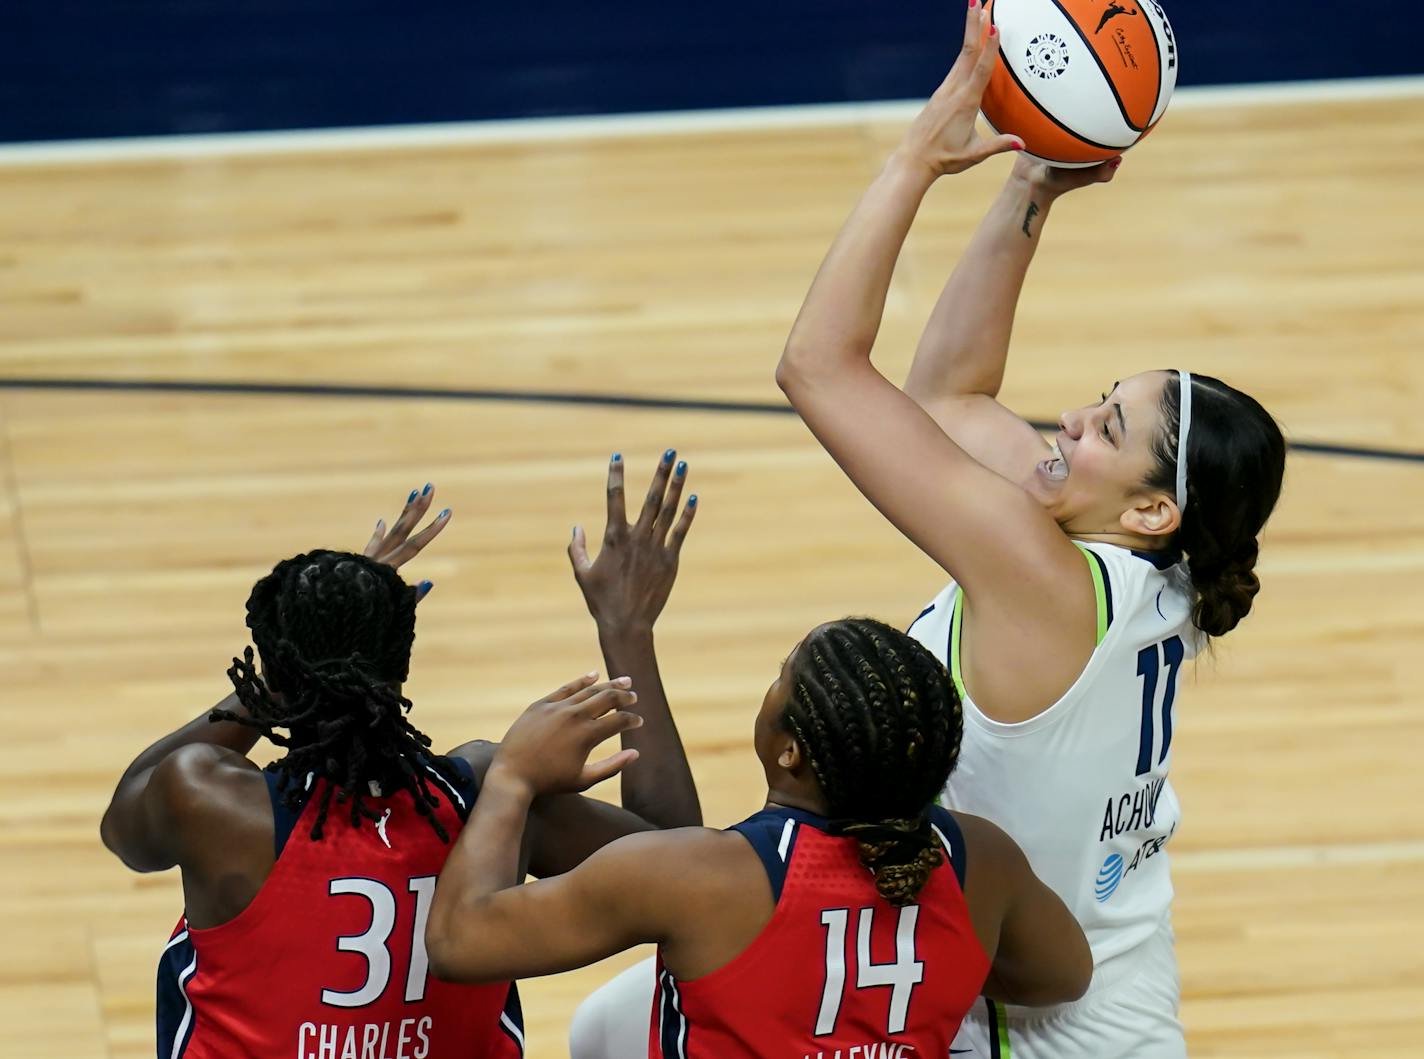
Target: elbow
x: 454, y: 959
x: 791, y: 372
x: 1079, y: 972
x: 441, y: 951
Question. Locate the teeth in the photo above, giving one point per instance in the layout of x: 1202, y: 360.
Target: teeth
x: 1058, y: 470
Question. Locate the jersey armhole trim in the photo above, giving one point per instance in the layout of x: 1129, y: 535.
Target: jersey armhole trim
x: 947, y: 828
x: 284, y: 818
x: 773, y: 837
x: 1102, y: 591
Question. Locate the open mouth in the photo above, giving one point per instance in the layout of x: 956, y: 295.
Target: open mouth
x: 1055, y: 468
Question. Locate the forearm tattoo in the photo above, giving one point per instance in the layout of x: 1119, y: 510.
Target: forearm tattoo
x: 1032, y: 212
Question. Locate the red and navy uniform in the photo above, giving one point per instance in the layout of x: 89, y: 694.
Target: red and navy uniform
x: 838, y: 972
x: 328, y: 961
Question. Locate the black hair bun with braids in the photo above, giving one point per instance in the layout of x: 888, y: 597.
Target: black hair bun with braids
x: 899, y: 853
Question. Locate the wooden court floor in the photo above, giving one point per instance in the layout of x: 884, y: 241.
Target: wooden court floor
x: 1279, y: 246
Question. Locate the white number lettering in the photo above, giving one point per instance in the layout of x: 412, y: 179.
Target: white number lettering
x: 371, y: 944
x: 901, y: 976
x: 424, y: 890
x: 834, y: 920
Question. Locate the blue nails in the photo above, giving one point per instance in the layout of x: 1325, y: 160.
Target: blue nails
x: 681, y: 468
x: 444, y: 514
x: 380, y: 525
x: 426, y: 490
x: 692, y: 500
x: 413, y: 494
x: 617, y: 457
x: 423, y: 589
x: 667, y: 456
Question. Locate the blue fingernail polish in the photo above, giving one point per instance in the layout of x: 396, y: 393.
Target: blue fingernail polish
x: 426, y: 490
x: 425, y: 587
x: 413, y: 494
x: 617, y: 457
x: 692, y: 500
x: 681, y: 467
x: 667, y: 456
x: 444, y: 514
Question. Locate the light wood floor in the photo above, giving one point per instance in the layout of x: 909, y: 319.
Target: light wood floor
x: 1281, y: 247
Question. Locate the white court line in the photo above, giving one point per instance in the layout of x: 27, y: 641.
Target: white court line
x: 1292, y: 857
x: 528, y: 130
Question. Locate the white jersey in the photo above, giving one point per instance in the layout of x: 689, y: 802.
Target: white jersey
x: 1082, y: 787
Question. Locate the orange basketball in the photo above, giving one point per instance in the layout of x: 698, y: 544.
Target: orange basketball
x: 1080, y: 81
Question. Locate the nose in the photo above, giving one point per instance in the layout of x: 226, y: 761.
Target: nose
x: 1071, y: 423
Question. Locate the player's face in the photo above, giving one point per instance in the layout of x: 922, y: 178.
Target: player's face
x: 1094, y: 482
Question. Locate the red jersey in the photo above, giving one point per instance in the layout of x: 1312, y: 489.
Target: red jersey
x: 838, y: 972
x: 328, y: 961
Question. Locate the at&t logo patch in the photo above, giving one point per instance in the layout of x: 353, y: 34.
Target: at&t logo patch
x: 1109, y: 876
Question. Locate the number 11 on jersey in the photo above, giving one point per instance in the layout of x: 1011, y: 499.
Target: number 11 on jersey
x: 1150, y: 661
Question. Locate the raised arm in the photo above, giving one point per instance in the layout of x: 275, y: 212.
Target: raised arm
x: 484, y: 926
x: 626, y: 588
x: 959, y: 364
x: 983, y: 529
x: 137, y: 826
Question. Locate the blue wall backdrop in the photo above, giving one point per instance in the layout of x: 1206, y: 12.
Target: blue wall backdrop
x: 87, y: 68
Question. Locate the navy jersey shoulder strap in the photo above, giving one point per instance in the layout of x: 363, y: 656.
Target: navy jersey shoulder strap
x: 944, y: 823
x: 284, y: 817
x: 772, y: 833
x: 454, y: 777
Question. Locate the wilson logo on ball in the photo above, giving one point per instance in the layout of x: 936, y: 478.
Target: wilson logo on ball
x: 1080, y: 81
x: 1047, y: 56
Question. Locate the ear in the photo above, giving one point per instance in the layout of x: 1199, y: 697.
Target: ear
x: 1152, y: 515
x: 789, y: 755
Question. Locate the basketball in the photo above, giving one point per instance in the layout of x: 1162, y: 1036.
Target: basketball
x: 1080, y: 81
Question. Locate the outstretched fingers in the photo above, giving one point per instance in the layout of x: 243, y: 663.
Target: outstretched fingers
x: 988, y: 55
x: 671, y: 499
x: 679, y: 532
x: 573, y: 687
x: 653, y: 502
x: 598, y: 771
x: 617, y: 507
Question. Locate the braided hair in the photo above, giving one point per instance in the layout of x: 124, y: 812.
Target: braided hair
x: 334, y: 632
x: 881, y: 725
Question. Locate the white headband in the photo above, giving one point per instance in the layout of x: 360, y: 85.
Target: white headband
x: 1184, y: 427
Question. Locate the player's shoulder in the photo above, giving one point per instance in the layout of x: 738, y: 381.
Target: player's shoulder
x: 688, y: 861
x: 202, y: 779
x: 990, y: 849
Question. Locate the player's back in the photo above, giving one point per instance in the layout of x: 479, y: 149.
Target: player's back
x: 328, y: 960
x: 837, y: 967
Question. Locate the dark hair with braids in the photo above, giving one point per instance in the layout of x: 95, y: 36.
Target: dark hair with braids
x: 334, y: 631
x: 1236, y: 462
x: 880, y: 722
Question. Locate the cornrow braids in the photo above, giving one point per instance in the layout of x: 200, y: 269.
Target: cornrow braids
x: 334, y: 631
x: 881, y: 724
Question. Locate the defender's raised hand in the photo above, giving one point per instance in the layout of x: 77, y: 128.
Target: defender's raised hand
x: 396, y: 547
x: 628, y: 585
x: 546, y: 750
